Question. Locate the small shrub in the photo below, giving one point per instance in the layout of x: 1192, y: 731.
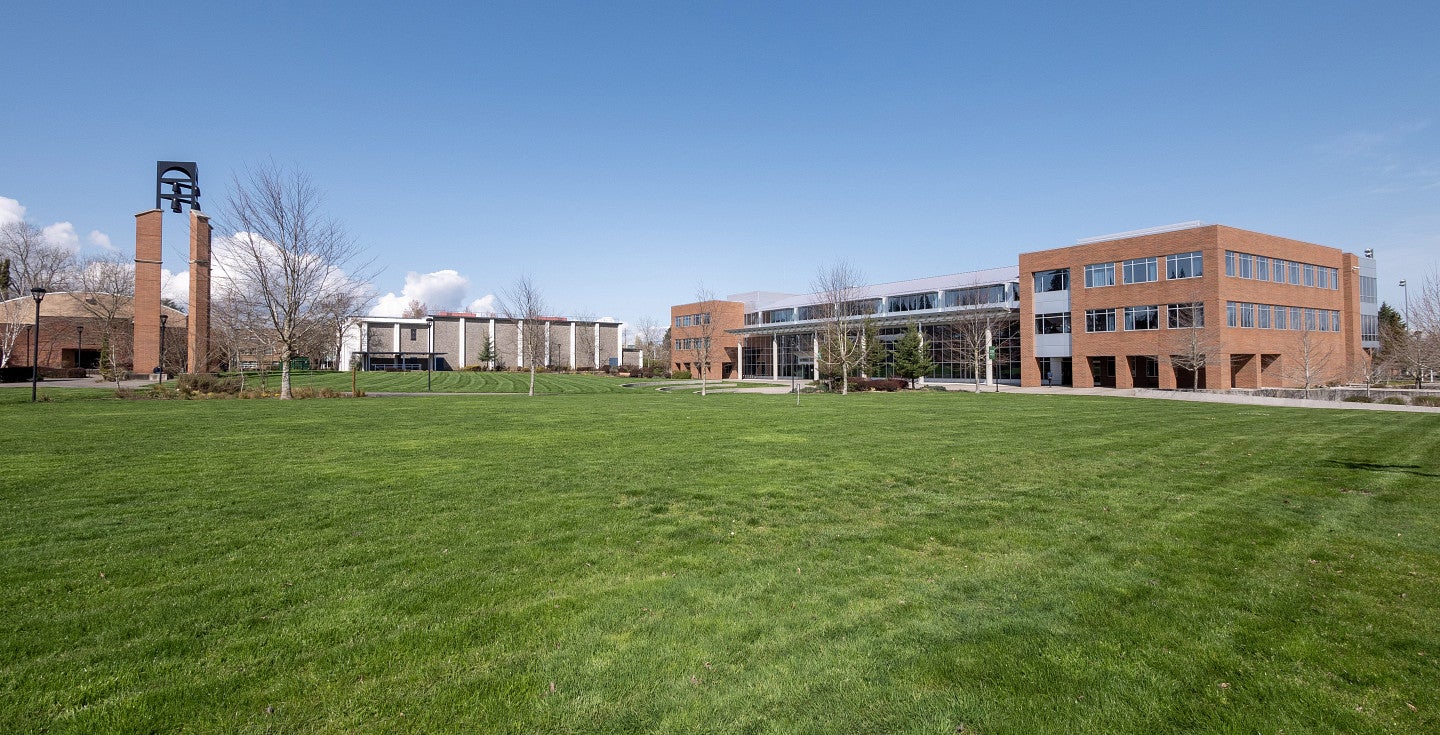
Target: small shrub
x: 680, y: 375
x: 1431, y: 401
x: 1359, y: 399
x: 1392, y: 401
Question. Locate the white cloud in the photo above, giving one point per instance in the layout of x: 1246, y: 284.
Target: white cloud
x: 438, y: 290
x: 483, y: 305
x: 62, y: 235
x: 11, y: 211
x: 175, y: 286
x: 99, y: 239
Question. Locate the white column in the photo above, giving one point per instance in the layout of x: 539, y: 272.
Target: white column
x: 461, y: 342
x: 815, y: 353
x: 519, y: 343
x: 740, y: 359
x: 989, y: 364
x: 546, y: 361
x: 396, y: 341
x: 572, y: 345
x: 775, y: 355
x: 493, y: 348
x: 597, y: 345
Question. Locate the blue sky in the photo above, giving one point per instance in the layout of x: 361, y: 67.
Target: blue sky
x: 624, y: 153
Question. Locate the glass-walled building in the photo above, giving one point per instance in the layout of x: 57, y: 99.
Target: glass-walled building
x: 782, y: 333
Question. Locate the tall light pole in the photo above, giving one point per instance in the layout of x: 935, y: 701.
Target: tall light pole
x: 1409, y: 337
x: 79, y: 344
x: 430, y: 361
x: 38, y: 294
x: 163, y: 318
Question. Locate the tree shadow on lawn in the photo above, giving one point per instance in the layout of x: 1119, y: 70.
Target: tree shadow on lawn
x: 1409, y: 469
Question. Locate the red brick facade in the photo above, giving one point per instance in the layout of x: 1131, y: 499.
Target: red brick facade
x: 1238, y: 356
x: 686, y: 325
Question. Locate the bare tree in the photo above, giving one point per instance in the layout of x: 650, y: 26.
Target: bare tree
x: 524, y: 303
x: 1192, y: 346
x: 1313, y: 359
x: 108, y: 286
x: 1416, y: 346
x: 649, y: 337
x: 584, y: 341
x: 971, y: 334
x: 842, y: 334
x: 15, y: 317
x: 704, y: 331
x: 34, y: 261
x: 416, y: 309
x: 286, y: 258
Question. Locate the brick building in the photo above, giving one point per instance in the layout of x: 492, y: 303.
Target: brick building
x: 73, y: 331
x: 1204, y: 305
x: 692, y: 324
x: 1209, y: 305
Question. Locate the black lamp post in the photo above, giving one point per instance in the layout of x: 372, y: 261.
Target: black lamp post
x: 79, y: 344
x: 38, y: 294
x: 163, y: 318
x: 430, y: 337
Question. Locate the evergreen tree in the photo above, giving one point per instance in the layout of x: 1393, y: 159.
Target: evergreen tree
x: 1393, y: 333
x: 4, y: 279
x: 911, y: 361
x: 487, y: 353
x: 874, y: 353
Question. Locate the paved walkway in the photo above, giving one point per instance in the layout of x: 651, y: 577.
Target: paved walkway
x: 1202, y: 397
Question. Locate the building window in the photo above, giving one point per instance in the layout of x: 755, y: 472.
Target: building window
x: 1246, y: 265
x: 1247, y: 315
x: 1229, y: 263
x: 1230, y: 318
x: 1334, y: 321
x: 1369, y: 328
x: 752, y: 318
x: 1099, y: 274
x: 1058, y: 323
x: 1140, y: 270
x: 1186, y: 316
x: 1099, y: 320
x: 911, y: 302
x: 1296, y: 316
x: 974, y: 296
x: 1324, y: 276
x: 1277, y: 270
x: 1262, y: 268
x: 1309, y: 274
x: 1053, y: 280
x: 1184, y: 265
x: 1139, y: 318
x: 1367, y: 289
x: 1293, y: 269
x: 778, y: 315
x: 1334, y: 279
x: 412, y: 335
x: 1280, y: 320
x: 1311, y: 323
x: 1262, y: 318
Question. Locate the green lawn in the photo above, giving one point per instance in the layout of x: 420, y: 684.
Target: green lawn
x: 651, y: 562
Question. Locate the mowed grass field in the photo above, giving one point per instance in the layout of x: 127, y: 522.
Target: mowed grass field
x: 644, y: 562
x: 448, y: 381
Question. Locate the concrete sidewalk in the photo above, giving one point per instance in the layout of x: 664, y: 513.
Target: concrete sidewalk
x: 1203, y: 397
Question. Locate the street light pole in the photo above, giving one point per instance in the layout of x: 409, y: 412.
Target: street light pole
x: 163, y: 318
x: 38, y: 294
x: 1410, y: 337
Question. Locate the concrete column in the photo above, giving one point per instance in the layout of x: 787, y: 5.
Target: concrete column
x: 197, y: 337
x: 740, y: 360
x: 596, y: 342
x: 815, y: 354
x: 989, y: 362
x: 519, y: 343
x: 572, y: 345
x: 546, y: 361
x: 461, y: 341
x: 149, y: 226
x: 396, y: 340
x: 775, y: 355
x: 493, y: 347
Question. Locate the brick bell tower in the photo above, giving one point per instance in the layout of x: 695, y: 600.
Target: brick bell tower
x: 176, y: 182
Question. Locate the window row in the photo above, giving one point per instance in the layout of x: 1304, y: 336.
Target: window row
x: 1277, y: 270
x: 1144, y: 318
x: 1269, y: 316
x: 692, y: 343
x: 692, y: 320
x: 1146, y: 270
